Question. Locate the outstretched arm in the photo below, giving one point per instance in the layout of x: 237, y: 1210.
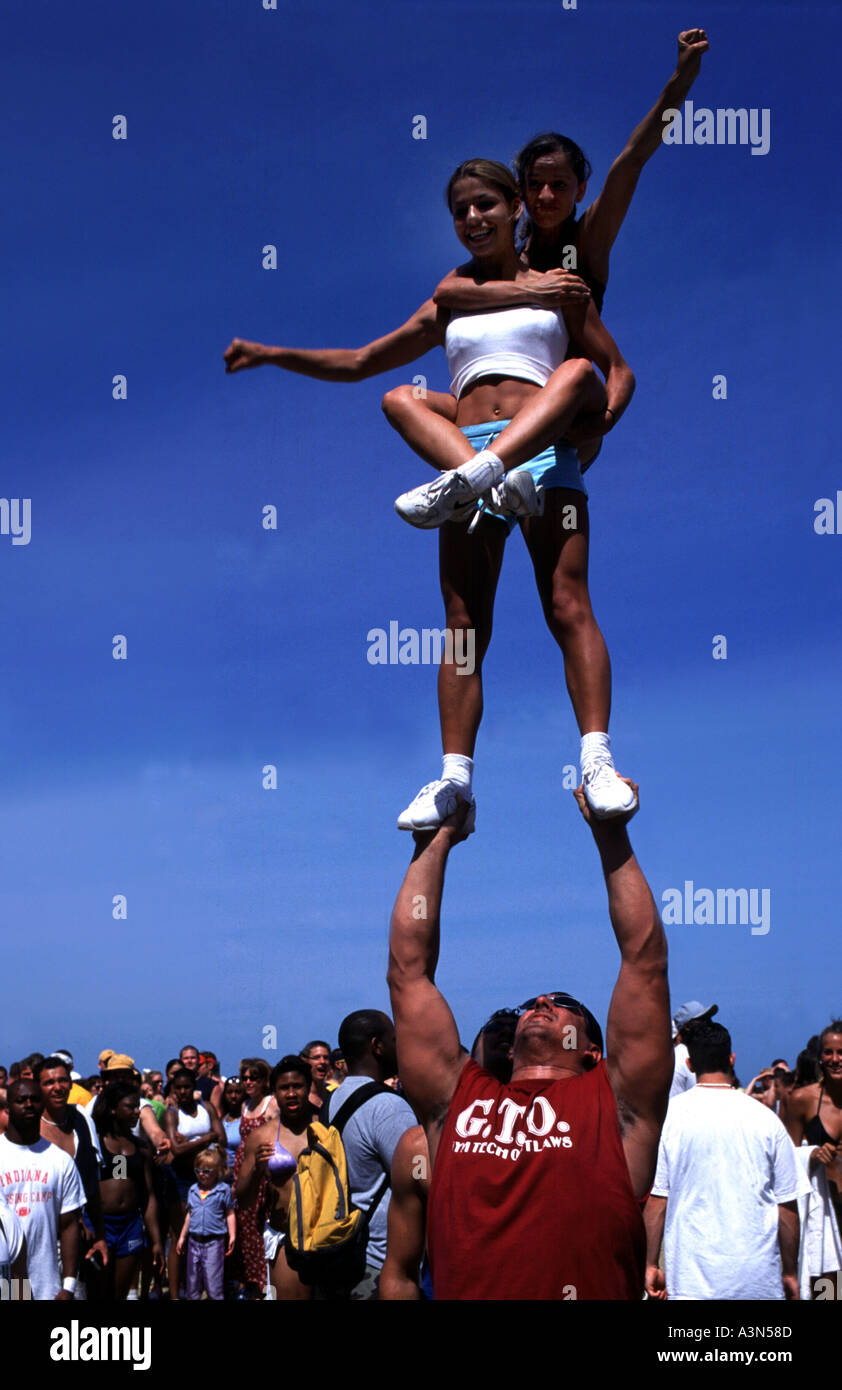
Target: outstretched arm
x: 605, y: 216
x: 425, y: 330
x: 639, y: 1053
x: 430, y: 1056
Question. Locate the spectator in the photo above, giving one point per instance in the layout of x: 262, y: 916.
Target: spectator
x: 317, y: 1056
x: 815, y: 1111
x: 258, y: 1107
x: 190, y: 1059
x: 230, y: 1111
x: 269, y: 1164
x: 370, y: 1128
x: 209, y: 1228
x: 191, y: 1127
x: 42, y: 1185
x: 126, y: 1189
x: 79, y: 1094
x: 69, y: 1128
x: 727, y: 1187
x: 683, y: 1019
x: 338, y: 1066
x: 28, y: 1065
x: 119, y: 1067
x: 564, y: 1220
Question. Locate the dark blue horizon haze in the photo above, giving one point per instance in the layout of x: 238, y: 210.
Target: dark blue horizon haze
x: 251, y: 909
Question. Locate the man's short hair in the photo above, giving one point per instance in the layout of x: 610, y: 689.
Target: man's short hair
x: 49, y: 1064
x: 709, y: 1047
x: 31, y: 1062
x: 357, y: 1031
x: 317, y: 1042
x: 291, y: 1063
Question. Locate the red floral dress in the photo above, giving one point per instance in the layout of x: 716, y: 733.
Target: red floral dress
x: 252, y: 1255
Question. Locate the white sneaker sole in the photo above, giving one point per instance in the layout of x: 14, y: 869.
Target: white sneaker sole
x: 405, y: 822
x: 611, y: 814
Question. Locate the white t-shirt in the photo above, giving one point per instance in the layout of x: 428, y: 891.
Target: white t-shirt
x: 682, y: 1078
x: 11, y: 1240
x: 40, y: 1182
x: 724, y: 1165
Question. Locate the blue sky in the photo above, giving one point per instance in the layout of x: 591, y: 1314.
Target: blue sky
x: 248, y: 907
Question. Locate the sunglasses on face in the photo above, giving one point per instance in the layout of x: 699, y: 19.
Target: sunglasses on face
x: 561, y: 1001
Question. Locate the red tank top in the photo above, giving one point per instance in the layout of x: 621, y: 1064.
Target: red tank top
x: 530, y: 1196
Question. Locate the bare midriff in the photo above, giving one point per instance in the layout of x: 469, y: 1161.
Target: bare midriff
x: 493, y: 398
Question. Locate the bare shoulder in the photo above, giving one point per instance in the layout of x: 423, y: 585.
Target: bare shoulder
x: 803, y: 1098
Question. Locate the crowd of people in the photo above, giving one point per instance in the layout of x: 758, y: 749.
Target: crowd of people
x: 549, y: 1162
x: 177, y: 1183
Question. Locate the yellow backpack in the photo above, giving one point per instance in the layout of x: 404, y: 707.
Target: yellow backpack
x: 327, y: 1234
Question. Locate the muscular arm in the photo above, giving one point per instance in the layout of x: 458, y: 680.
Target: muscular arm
x: 407, y: 1216
x: 430, y: 1056
x: 425, y: 330
x: 604, y: 218
x: 639, y: 1053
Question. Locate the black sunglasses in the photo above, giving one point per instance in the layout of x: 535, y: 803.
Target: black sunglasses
x: 561, y: 1000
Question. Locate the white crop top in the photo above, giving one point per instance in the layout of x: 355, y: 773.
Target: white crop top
x: 525, y: 342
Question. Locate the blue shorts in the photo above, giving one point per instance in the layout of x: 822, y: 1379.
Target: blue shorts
x: 555, y: 466
x: 124, y: 1234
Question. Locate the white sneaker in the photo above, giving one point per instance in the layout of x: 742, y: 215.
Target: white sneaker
x: 518, y: 495
x: 433, y: 804
x: 449, y: 497
x: 605, y: 791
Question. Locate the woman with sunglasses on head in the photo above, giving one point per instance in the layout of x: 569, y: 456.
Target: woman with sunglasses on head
x: 259, y: 1106
x: 521, y: 396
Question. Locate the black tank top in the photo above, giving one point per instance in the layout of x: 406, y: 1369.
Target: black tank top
x: 569, y: 236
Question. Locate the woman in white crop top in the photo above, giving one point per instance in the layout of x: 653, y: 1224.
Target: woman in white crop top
x: 485, y: 204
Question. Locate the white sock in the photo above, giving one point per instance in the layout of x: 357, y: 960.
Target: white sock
x: 482, y: 471
x: 595, y: 744
x: 456, y: 768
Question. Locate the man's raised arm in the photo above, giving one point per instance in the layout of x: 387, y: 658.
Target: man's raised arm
x: 430, y: 1056
x: 639, y: 1051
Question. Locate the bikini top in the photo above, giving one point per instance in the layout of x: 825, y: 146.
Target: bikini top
x: 525, y: 342
x: 815, y: 1132
x: 112, y: 1166
x: 281, y: 1163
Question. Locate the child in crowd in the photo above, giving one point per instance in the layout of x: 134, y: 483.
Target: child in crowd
x: 209, y: 1227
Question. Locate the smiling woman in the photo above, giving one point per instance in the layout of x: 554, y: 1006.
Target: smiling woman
x: 514, y: 390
